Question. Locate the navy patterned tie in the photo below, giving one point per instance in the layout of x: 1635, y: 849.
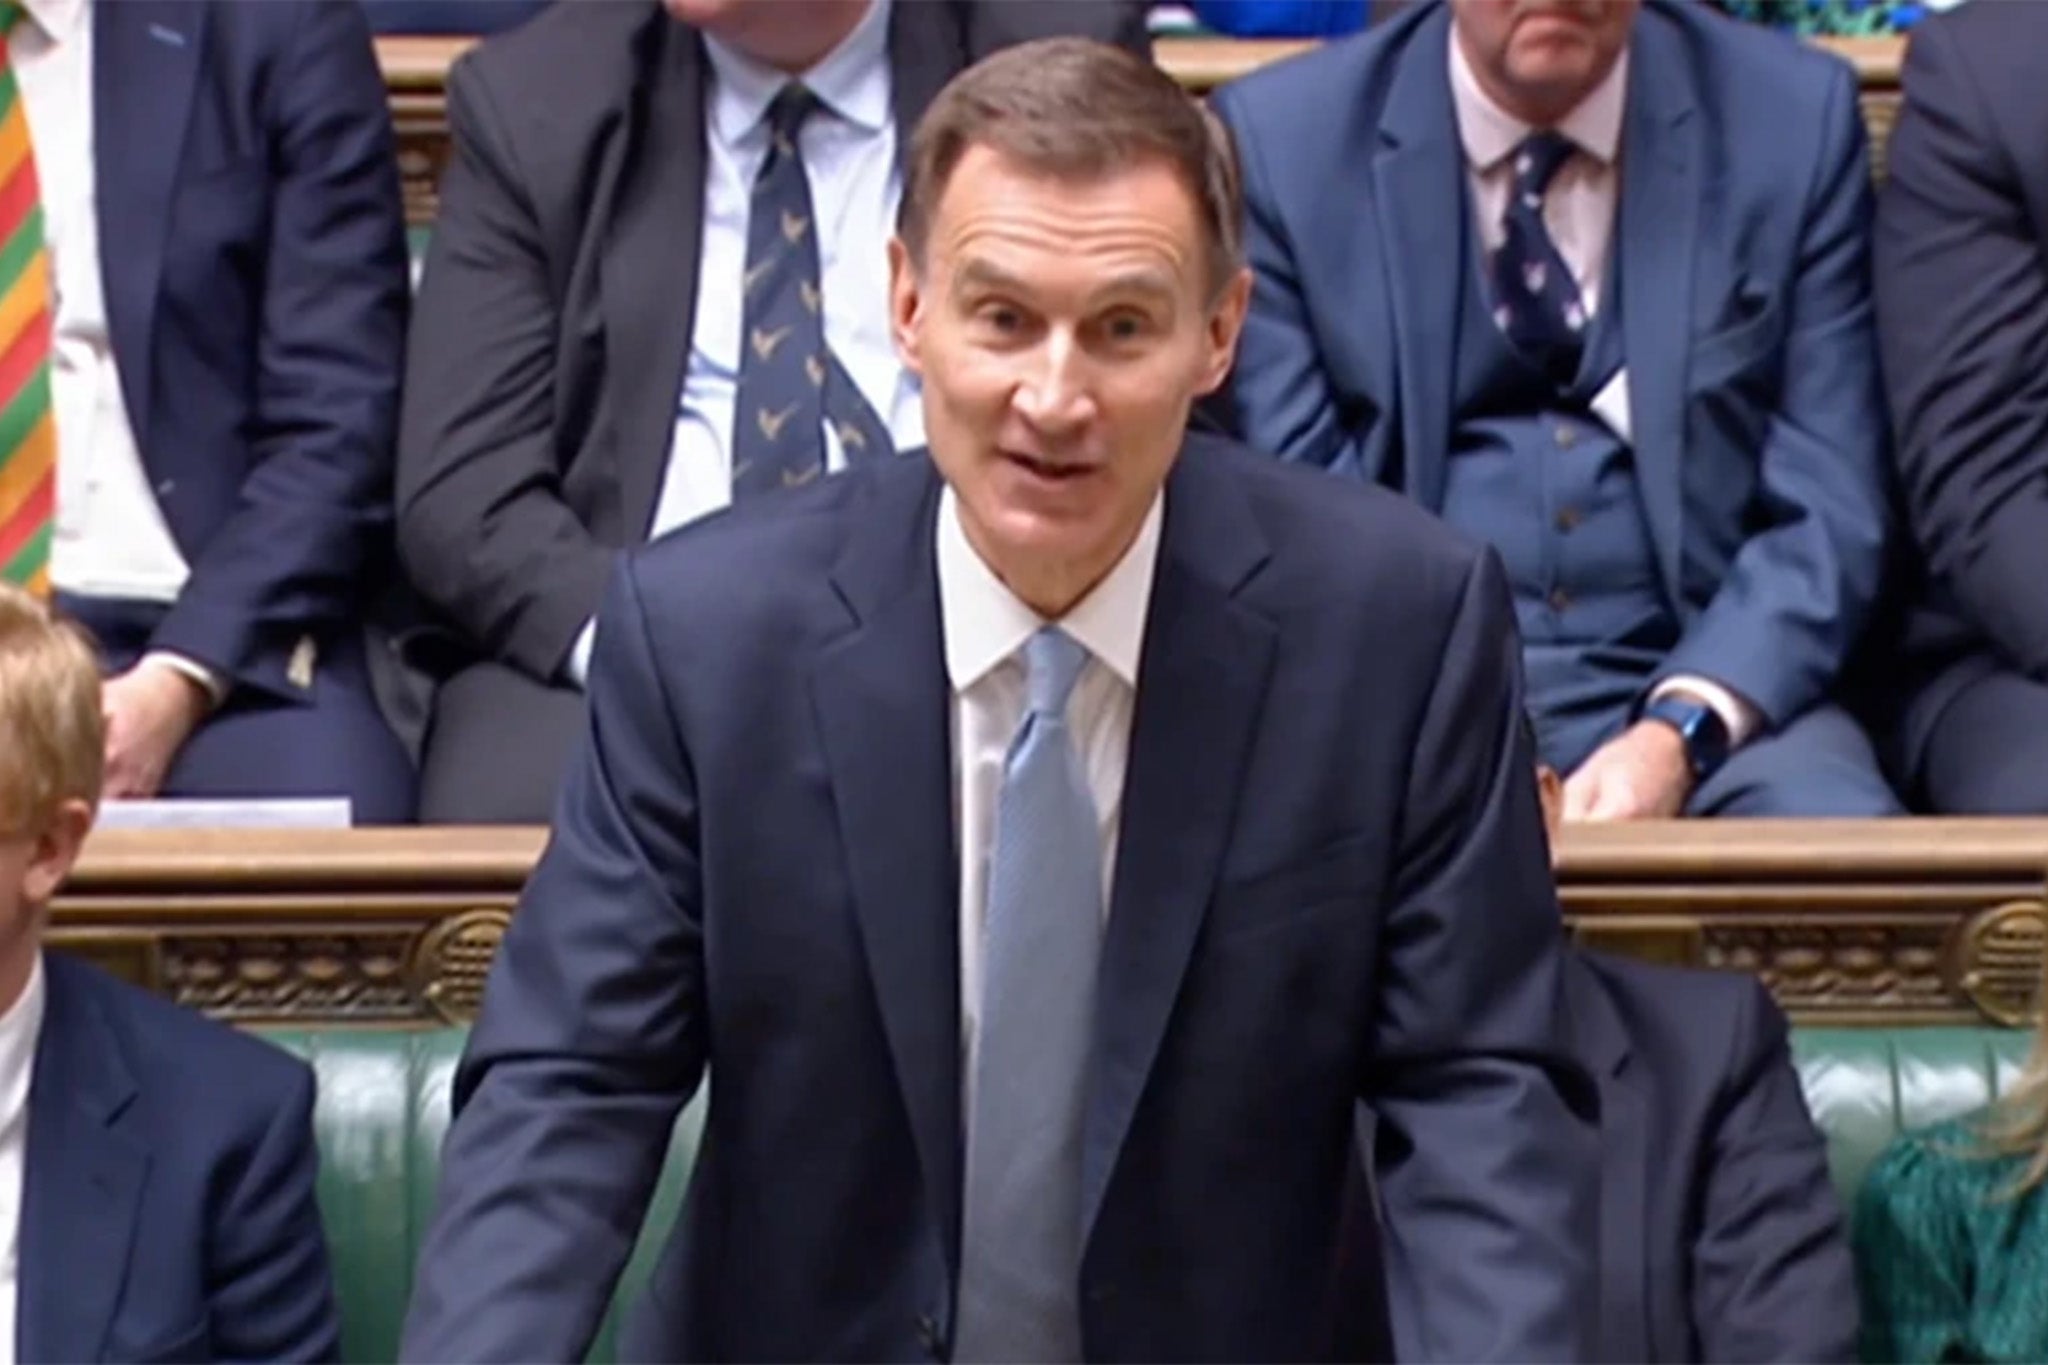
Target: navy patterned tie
x: 790, y: 382
x: 1536, y: 300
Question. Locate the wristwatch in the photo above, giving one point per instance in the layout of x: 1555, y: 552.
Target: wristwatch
x: 1699, y: 727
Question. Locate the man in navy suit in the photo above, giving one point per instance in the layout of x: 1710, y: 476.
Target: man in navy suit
x: 1962, y: 309
x: 1590, y: 281
x: 1721, y: 1236
x: 156, y: 1168
x: 1043, y: 845
x: 221, y: 213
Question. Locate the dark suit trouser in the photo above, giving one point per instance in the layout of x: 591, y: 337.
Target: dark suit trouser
x: 496, y: 746
x: 256, y: 745
x: 1985, y: 750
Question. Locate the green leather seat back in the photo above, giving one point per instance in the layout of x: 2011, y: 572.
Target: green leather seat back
x: 383, y: 1111
x: 381, y: 1117
x: 1865, y: 1086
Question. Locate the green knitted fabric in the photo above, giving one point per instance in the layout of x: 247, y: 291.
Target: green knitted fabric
x: 1950, y: 1266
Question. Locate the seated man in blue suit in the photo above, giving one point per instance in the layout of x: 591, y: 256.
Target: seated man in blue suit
x: 156, y: 1168
x: 207, y: 406
x: 1589, y: 280
x: 999, y: 828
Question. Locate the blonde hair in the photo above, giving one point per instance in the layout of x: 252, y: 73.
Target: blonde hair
x: 2017, y: 1123
x: 52, y: 735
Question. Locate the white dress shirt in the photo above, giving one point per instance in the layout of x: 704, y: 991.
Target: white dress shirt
x: 985, y: 628
x: 849, y: 152
x: 1579, y: 209
x: 20, y: 1029
x: 111, y: 538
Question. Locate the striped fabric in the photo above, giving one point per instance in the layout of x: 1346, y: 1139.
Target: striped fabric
x: 28, y: 432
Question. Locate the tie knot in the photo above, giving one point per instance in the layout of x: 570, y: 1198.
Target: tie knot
x: 1538, y: 159
x: 793, y: 105
x: 1052, y: 664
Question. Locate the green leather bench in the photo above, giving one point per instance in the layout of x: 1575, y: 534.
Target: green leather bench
x: 384, y: 1108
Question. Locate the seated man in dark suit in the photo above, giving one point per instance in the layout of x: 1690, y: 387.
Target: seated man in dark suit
x: 199, y: 362
x: 1721, y: 1236
x: 156, y: 1168
x: 1962, y: 309
x: 1001, y: 830
x: 1599, y: 297
x: 656, y: 286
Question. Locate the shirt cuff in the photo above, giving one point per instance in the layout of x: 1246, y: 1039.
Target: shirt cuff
x: 216, y: 687
x: 578, y: 665
x: 1738, y: 715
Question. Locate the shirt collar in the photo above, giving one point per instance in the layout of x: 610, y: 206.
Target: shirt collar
x: 852, y: 80
x: 985, y: 623
x: 57, y: 19
x: 1490, y: 133
x: 21, y: 1027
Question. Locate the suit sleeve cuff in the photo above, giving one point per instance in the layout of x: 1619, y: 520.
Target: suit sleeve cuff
x: 1742, y: 719
x: 215, y: 686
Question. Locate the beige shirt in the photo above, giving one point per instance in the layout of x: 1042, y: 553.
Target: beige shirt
x: 985, y: 629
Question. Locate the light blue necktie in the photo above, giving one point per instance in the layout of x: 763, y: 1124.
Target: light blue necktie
x: 1020, y: 1259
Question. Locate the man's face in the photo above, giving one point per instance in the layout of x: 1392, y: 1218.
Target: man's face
x: 790, y: 35
x: 1062, y: 329
x: 1541, y: 57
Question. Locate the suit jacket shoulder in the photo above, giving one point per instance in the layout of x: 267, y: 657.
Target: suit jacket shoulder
x: 1332, y: 536
x: 1690, y: 1027
x: 196, y: 1069
x: 549, y: 85
x: 1988, y: 59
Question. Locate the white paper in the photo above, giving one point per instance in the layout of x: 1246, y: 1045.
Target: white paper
x: 193, y: 813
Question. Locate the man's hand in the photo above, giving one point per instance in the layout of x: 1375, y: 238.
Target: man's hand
x: 151, y: 711
x: 1640, y: 774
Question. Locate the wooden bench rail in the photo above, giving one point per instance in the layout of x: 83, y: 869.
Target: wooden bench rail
x: 1905, y: 921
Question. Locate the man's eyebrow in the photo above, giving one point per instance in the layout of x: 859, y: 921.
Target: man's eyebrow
x: 981, y: 274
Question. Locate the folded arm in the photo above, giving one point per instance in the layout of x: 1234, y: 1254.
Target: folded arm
x: 1780, y: 626
x: 317, y: 498
x: 482, y: 524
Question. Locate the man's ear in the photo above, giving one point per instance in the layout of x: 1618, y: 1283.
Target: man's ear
x: 906, y: 306
x: 56, y: 851
x: 1226, y: 321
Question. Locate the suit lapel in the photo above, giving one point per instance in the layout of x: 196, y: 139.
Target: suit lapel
x: 146, y: 56
x: 649, y: 270
x: 885, y: 709
x: 1201, y: 675
x: 1417, y: 191
x: 926, y: 49
x: 1658, y: 233
x: 84, y: 1175
x: 1625, y: 1155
